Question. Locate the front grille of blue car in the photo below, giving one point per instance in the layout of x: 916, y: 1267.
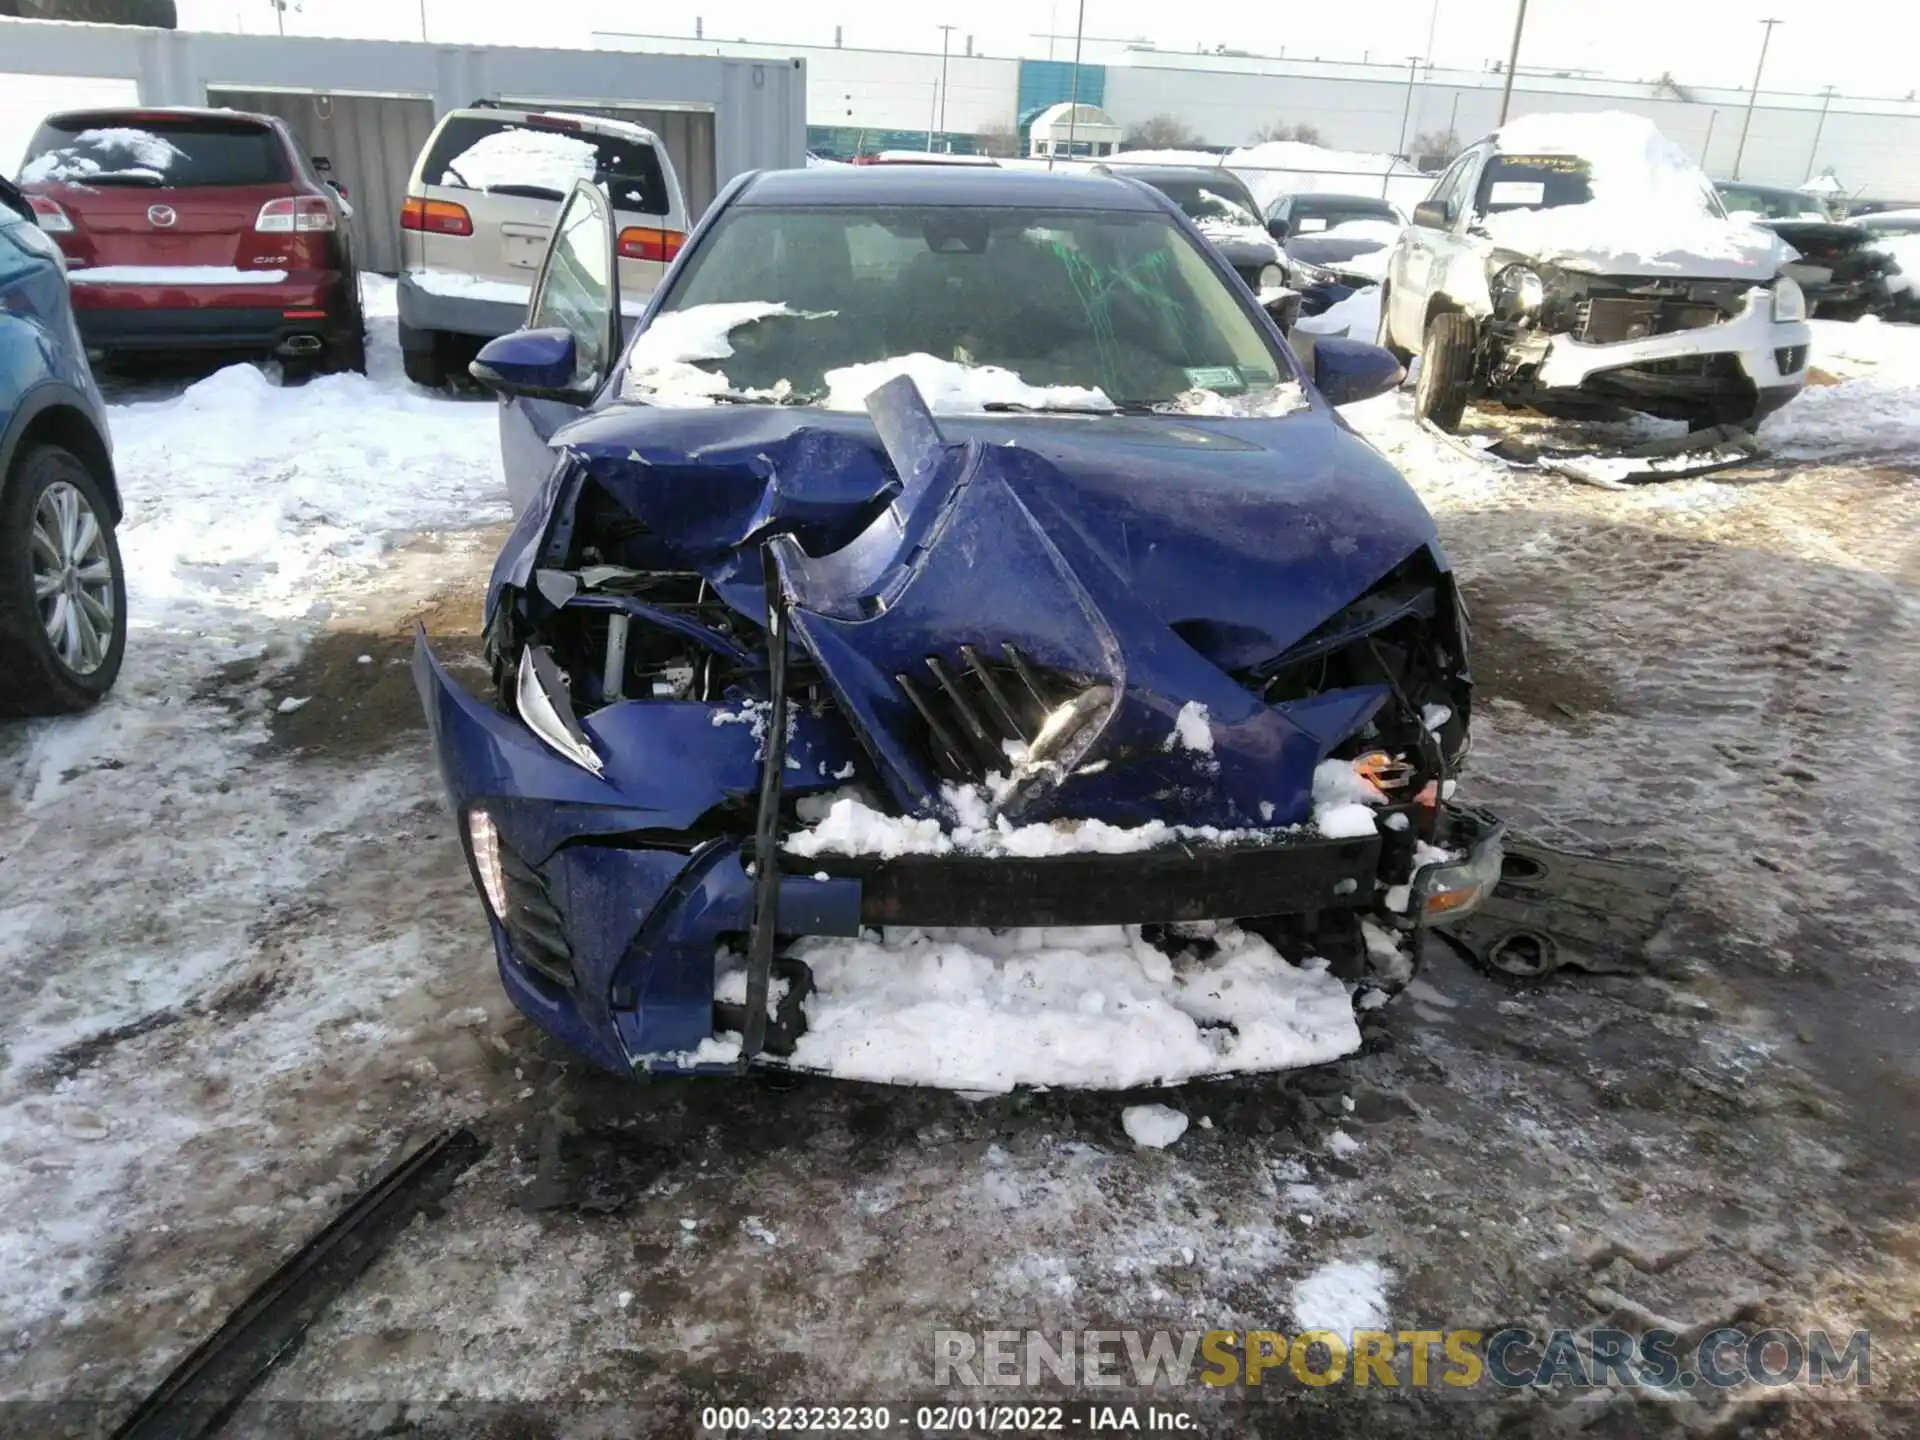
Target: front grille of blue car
x: 533, y: 922
x: 975, y: 706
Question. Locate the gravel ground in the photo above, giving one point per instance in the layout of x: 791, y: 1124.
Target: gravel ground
x: 1716, y: 677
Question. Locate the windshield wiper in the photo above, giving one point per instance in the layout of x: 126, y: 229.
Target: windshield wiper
x: 758, y: 397
x: 1016, y: 407
x: 529, y: 192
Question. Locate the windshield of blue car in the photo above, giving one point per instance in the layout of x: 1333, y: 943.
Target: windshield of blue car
x: 1087, y: 308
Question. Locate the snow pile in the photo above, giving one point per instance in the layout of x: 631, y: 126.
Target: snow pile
x: 1343, y: 799
x: 1191, y: 730
x: 299, y: 495
x: 1876, y: 411
x: 536, y: 159
x: 1092, y: 1007
x: 1357, y: 316
x: 950, y: 387
x: 1650, y: 210
x: 1290, y: 167
x: 662, y: 365
x: 146, y: 154
x: 466, y: 286
x: 852, y: 827
x: 1153, y: 1127
x: 1266, y: 403
x: 1233, y: 232
x: 1341, y: 1297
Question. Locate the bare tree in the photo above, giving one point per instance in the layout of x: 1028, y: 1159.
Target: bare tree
x: 1160, y: 132
x: 1001, y: 140
x: 1432, y: 149
x: 1281, y: 130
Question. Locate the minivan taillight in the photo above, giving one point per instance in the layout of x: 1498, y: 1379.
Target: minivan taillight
x: 298, y: 215
x: 435, y: 217
x: 647, y: 243
x: 52, y: 218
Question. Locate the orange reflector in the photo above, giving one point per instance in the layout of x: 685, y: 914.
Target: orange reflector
x: 1383, y: 771
x: 1444, y: 900
x: 303, y: 314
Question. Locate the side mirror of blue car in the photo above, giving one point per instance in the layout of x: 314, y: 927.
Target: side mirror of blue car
x: 537, y: 364
x: 1348, y: 370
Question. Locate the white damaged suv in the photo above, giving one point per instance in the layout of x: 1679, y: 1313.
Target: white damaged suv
x: 1582, y: 264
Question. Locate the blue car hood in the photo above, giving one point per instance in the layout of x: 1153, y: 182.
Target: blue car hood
x: 1241, y: 534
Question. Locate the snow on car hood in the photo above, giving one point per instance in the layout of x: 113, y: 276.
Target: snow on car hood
x: 1605, y: 241
x: 1236, y: 234
x: 1652, y: 211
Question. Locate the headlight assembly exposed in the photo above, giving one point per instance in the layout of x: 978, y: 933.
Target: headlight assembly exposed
x: 1518, y: 292
x: 1789, y: 301
x: 1273, y: 278
x: 542, y: 702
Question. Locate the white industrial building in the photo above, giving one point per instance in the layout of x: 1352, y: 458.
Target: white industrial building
x: 1871, y: 145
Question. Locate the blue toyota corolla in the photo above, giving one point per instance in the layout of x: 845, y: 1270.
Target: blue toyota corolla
x: 983, y: 496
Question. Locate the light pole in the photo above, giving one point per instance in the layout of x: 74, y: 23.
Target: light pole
x: 1753, y: 95
x: 1073, y: 94
x: 946, y: 36
x: 1826, y: 99
x: 1513, y: 59
x: 1406, y: 112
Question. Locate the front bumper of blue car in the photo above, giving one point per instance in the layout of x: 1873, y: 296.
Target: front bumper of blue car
x: 611, y: 897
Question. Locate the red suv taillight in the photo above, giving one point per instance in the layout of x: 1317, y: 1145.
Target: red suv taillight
x: 646, y: 243
x: 300, y: 214
x: 436, y: 217
x: 52, y: 218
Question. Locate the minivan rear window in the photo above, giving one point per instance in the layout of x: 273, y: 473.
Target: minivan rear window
x: 541, y: 161
x: 141, y: 148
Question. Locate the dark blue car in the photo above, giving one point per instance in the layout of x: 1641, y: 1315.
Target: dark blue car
x: 63, y: 599
x: 990, y: 499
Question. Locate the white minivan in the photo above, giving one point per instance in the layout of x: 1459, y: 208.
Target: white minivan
x: 481, y: 202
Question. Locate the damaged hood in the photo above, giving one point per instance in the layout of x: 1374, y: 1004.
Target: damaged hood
x: 1599, y: 241
x: 1129, y: 570
x: 1242, y: 534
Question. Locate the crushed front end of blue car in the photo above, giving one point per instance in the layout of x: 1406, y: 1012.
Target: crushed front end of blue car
x: 768, y: 673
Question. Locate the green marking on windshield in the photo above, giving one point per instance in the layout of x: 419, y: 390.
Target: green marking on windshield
x: 1095, y: 285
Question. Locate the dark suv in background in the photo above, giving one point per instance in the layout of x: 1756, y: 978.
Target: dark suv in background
x: 197, y: 230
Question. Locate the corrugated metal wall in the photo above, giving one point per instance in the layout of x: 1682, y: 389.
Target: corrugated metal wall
x: 372, y: 141
x: 687, y: 134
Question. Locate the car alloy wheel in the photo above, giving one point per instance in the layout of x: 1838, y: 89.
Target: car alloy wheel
x: 72, y: 578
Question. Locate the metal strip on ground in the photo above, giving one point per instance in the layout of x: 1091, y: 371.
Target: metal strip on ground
x: 202, y: 1391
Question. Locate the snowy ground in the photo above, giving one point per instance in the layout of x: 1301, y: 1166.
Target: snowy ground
x: 247, y: 971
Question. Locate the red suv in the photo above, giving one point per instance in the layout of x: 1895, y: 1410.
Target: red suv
x: 197, y: 229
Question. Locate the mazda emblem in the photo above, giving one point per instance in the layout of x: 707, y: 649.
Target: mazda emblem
x: 161, y: 215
